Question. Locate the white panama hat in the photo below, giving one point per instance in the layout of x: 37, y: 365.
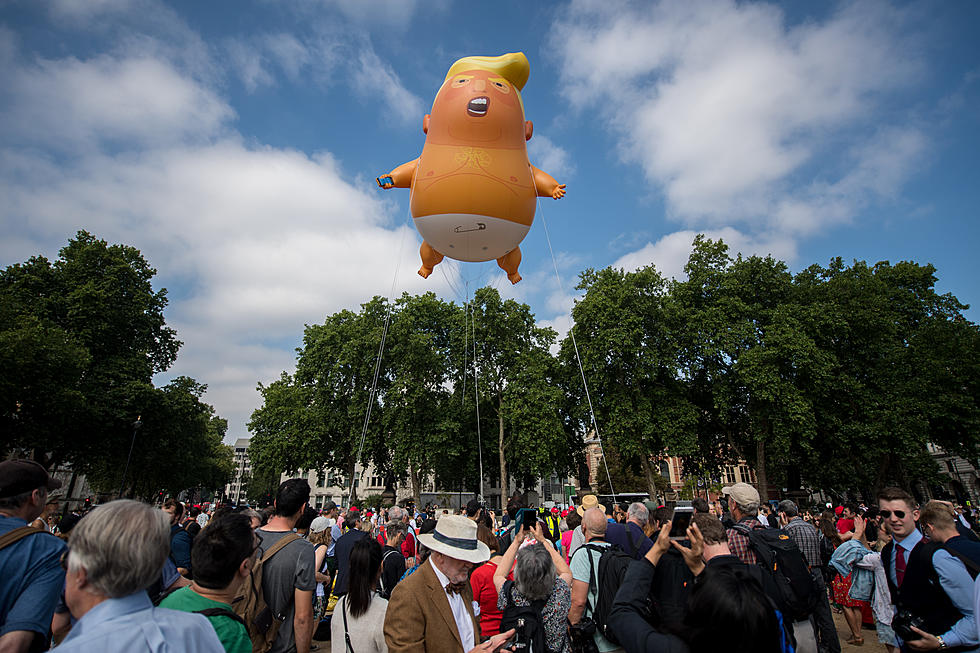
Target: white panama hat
x: 455, y: 536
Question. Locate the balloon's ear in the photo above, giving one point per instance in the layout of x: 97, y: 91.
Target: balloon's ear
x: 528, y: 130
x: 425, y: 124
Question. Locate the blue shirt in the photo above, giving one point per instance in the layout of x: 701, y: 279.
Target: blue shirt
x: 133, y: 624
x: 955, y: 581
x: 335, y: 534
x: 31, y: 579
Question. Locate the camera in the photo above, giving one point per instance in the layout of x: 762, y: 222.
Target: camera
x: 903, y: 622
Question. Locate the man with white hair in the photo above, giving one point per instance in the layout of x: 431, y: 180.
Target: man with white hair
x: 630, y: 536
x: 408, y: 548
x: 115, y: 552
x: 432, y: 610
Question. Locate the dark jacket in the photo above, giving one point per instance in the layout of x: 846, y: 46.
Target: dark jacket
x: 626, y: 619
x: 342, y: 551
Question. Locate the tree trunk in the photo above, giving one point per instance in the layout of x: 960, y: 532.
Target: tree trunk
x: 353, y: 483
x: 69, y: 495
x: 648, y: 470
x: 760, y: 469
x: 413, y: 474
x: 503, y: 457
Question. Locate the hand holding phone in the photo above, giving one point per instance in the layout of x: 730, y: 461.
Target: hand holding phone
x: 680, y: 521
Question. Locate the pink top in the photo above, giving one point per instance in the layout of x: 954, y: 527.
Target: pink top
x: 566, y: 542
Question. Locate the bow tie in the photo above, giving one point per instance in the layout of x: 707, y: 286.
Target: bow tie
x: 455, y: 588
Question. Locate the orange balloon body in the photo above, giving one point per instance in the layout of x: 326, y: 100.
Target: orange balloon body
x: 473, y: 190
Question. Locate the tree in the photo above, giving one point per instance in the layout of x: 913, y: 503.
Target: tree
x: 625, y: 331
x: 80, y: 341
x: 519, y: 384
x: 315, y: 418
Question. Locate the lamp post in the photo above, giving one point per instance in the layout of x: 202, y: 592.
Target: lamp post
x: 136, y: 427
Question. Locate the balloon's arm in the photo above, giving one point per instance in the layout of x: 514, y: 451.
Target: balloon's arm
x: 546, y: 186
x: 400, y: 177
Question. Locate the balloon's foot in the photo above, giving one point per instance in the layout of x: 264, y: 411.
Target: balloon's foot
x: 513, y: 278
x: 424, y: 272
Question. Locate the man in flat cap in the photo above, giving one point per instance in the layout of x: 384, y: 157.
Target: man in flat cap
x: 31, y: 576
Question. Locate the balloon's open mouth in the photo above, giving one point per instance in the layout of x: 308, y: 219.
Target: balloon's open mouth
x: 478, y: 106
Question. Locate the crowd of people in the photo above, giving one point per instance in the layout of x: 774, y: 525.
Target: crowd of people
x: 736, y: 574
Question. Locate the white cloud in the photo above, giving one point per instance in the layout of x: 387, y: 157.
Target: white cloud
x: 252, y: 241
x: 69, y: 103
x: 723, y: 105
x: 553, y: 159
x: 375, y: 79
x: 670, y: 253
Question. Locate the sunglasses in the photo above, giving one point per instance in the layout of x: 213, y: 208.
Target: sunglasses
x: 900, y: 514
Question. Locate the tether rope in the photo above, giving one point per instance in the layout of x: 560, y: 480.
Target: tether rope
x: 581, y: 369
x: 377, y: 368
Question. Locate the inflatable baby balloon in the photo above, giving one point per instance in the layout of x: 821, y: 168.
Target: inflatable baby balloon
x: 473, y: 190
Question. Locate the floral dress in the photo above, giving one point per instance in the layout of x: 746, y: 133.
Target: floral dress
x: 554, y: 614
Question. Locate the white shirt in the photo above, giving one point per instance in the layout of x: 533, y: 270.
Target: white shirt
x: 464, y: 624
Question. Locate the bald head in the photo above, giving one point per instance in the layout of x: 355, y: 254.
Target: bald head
x: 594, y: 523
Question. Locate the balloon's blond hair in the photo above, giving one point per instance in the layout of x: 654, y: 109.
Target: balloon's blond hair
x: 513, y: 67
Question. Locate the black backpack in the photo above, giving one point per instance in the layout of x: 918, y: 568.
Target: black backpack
x: 613, y: 563
x: 783, y: 562
x: 532, y: 630
x: 670, y: 591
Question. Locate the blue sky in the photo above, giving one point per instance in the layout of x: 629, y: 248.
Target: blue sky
x: 236, y: 144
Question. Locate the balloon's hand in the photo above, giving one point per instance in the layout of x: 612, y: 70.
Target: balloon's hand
x: 386, y: 182
x: 558, y: 192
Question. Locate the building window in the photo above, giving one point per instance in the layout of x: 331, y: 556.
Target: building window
x: 730, y: 475
x: 320, y: 478
x: 376, y: 481
x: 743, y: 474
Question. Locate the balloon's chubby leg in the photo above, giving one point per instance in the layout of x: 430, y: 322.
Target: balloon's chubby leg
x: 509, y: 263
x: 430, y: 259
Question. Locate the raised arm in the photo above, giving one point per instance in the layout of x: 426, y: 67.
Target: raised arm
x: 507, y: 563
x: 546, y: 186
x: 401, y: 177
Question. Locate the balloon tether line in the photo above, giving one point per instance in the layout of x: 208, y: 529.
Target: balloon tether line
x: 377, y: 367
x: 581, y: 369
x: 476, y: 382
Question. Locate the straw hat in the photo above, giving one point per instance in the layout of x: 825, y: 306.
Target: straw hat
x: 455, y: 536
x: 588, y: 501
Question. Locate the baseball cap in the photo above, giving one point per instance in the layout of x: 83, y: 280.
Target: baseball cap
x: 19, y: 476
x: 320, y: 524
x: 743, y: 493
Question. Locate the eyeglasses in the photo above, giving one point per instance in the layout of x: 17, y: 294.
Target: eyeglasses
x: 900, y: 514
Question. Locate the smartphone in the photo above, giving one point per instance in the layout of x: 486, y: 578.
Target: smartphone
x: 527, y: 517
x: 680, y: 521
x: 386, y: 179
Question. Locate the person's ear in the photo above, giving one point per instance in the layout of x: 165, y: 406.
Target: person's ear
x: 245, y: 568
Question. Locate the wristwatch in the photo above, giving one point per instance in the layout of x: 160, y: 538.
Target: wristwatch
x: 942, y: 644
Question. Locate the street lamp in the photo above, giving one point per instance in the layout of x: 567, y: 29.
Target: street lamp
x: 136, y: 427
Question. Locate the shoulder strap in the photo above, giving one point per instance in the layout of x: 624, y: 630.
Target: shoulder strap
x: 381, y: 579
x: 343, y: 609
x: 592, y: 584
x: 742, y: 528
x: 972, y: 567
x: 18, y: 534
x: 278, y: 546
x: 219, y: 612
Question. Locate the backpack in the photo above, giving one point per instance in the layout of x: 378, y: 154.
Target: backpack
x: 669, y: 592
x: 249, y: 604
x: 526, y: 620
x: 385, y: 592
x: 613, y: 563
x: 783, y: 562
